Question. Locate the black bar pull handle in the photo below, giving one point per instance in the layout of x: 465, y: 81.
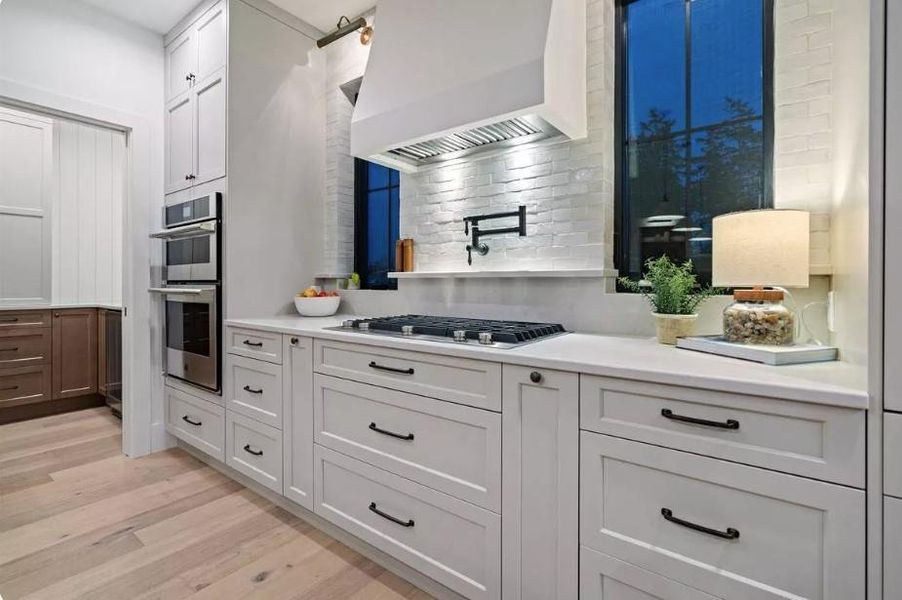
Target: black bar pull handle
x: 9, y: 320
x: 9, y: 349
x: 384, y: 515
x: 188, y: 420
x: 253, y: 344
x: 728, y: 424
x: 9, y: 389
x: 247, y: 448
x: 251, y: 390
x: 729, y: 534
x: 374, y: 365
x: 407, y: 437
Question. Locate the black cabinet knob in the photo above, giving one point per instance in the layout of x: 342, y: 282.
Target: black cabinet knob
x: 535, y: 377
x: 294, y: 341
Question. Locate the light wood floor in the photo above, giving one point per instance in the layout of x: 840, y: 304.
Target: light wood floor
x: 79, y: 520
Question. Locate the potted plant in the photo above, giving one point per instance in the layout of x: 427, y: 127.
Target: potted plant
x: 354, y: 282
x: 674, y: 294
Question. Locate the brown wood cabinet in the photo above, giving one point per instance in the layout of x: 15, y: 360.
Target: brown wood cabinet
x: 74, y: 353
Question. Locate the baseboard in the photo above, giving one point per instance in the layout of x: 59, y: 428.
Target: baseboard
x: 25, y: 412
x: 379, y: 557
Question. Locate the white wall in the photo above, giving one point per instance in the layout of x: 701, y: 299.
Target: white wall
x: 89, y: 165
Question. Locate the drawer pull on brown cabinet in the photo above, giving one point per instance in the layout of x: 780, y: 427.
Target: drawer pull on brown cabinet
x: 188, y: 420
x: 9, y: 349
x: 9, y: 320
x: 378, y: 367
x: 253, y: 344
x: 728, y: 424
x: 407, y: 523
x: 251, y: 390
x: 9, y: 389
x: 247, y: 448
x: 407, y: 437
x: 729, y: 534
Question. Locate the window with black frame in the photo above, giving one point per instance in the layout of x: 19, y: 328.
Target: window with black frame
x: 695, y: 124
x: 376, y: 223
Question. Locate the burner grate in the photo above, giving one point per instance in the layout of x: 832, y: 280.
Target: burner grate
x: 509, y: 332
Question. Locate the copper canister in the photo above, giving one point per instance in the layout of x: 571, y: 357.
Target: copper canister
x: 399, y: 255
x: 408, y: 254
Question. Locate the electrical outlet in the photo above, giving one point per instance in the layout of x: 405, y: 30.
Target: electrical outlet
x: 831, y: 311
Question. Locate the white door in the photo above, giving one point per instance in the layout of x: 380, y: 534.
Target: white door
x: 26, y: 174
x: 181, y: 65
x: 210, y: 119
x: 212, y: 45
x: 297, y: 398
x: 540, y: 479
x: 180, y: 143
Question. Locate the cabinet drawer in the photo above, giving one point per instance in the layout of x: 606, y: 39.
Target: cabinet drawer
x: 451, y: 541
x: 892, y: 454
x: 261, y: 345
x: 196, y: 422
x: 24, y: 385
x: 451, y: 448
x: 25, y: 318
x: 471, y: 382
x: 255, y: 389
x: 892, y: 548
x: 25, y: 346
x: 602, y: 577
x: 770, y: 535
x: 254, y: 449
x: 822, y: 442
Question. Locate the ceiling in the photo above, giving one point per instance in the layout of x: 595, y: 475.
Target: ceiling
x: 162, y: 15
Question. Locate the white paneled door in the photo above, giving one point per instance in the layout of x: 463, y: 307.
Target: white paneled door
x: 88, y: 205
x: 26, y: 175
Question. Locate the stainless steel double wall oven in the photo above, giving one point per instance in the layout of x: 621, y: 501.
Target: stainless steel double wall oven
x: 192, y: 290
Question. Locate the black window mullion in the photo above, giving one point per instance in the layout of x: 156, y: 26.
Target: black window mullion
x: 687, y: 156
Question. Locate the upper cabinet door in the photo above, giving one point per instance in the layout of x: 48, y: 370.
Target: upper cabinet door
x: 211, y: 40
x: 181, y: 64
x: 892, y: 368
x: 210, y: 119
x: 179, y: 155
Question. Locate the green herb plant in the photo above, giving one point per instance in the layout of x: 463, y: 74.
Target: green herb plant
x: 355, y: 279
x: 670, y: 288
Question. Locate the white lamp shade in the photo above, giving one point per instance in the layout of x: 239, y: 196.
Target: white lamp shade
x: 761, y: 248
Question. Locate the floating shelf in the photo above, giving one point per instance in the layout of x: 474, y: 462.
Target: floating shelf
x: 525, y: 274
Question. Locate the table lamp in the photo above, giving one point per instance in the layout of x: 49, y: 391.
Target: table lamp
x: 763, y: 250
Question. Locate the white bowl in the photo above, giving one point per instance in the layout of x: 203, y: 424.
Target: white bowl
x: 317, y: 307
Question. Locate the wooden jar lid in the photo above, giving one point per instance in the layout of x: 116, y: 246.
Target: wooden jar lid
x: 758, y: 295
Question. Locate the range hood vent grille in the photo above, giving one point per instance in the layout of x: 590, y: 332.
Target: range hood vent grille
x: 514, y: 131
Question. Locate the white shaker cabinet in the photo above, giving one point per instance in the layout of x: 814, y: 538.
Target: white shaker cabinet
x: 540, y: 479
x: 196, y: 102
x: 197, y: 53
x: 209, y: 156
x: 297, y: 398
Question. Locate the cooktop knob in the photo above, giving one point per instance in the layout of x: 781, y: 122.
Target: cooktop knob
x: 347, y: 324
x: 363, y: 326
x: 485, y: 337
x: 406, y: 329
x: 460, y: 335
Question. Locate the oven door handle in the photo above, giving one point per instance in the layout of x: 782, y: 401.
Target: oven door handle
x: 183, y: 291
x: 185, y: 230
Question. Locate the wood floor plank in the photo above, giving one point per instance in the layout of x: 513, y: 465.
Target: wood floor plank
x: 80, y: 521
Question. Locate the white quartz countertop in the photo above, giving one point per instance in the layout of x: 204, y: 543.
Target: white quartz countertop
x: 642, y: 359
x: 58, y: 306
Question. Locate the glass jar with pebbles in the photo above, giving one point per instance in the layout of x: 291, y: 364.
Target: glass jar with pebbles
x: 758, y: 316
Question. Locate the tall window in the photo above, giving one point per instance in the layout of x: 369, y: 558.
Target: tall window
x: 376, y: 223
x: 695, y: 112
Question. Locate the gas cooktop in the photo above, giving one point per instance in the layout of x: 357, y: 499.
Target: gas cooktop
x: 485, y: 332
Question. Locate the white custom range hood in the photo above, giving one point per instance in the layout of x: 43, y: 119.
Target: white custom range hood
x: 448, y: 78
